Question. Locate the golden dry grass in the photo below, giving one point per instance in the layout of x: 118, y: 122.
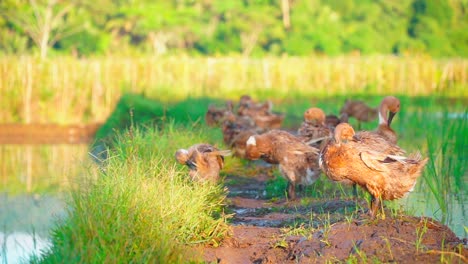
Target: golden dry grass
x: 70, y: 90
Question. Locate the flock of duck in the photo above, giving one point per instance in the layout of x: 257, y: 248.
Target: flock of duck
x: 323, y: 143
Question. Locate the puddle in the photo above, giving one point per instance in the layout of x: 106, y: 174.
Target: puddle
x: 255, y: 194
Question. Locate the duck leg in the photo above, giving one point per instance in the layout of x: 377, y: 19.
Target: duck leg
x: 291, y: 191
x: 355, y: 192
x: 375, y: 204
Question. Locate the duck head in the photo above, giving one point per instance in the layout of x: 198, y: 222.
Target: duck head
x: 344, y: 132
x: 315, y: 116
x: 390, y: 105
x: 182, y: 156
x: 245, y: 100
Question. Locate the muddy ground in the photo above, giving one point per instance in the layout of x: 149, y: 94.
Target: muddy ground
x: 326, y: 231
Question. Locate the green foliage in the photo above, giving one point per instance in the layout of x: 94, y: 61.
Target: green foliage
x: 142, y: 208
x: 252, y: 28
x: 140, y: 111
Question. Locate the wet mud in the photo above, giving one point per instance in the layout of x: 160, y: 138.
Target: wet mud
x: 311, y: 230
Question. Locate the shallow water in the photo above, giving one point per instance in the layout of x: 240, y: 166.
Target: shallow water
x: 19, y: 247
x: 423, y: 204
x: 25, y: 222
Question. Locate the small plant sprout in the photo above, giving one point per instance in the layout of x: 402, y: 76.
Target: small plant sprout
x: 281, y: 241
x: 326, y: 230
x: 349, y: 218
x: 420, y: 231
x: 357, y: 251
x: 389, y: 246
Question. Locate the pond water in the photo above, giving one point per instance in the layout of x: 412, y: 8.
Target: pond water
x: 423, y: 204
x: 25, y: 222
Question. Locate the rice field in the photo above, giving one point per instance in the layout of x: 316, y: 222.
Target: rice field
x: 433, y: 119
x: 68, y: 90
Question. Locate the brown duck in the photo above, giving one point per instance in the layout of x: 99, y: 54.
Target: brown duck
x: 359, y: 110
x: 239, y: 142
x: 347, y: 159
x: 261, y: 113
x: 248, y: 107
x: 233, y: 125
x: 388, y: 108
x: 203, y: 160
x: 215, y: 115
x: 268, y: 121
x: 313, y: 129
x: 297, y: 161
x: 331, y: 121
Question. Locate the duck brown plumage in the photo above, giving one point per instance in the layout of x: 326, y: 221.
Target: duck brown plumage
x: 331, y: 121
x: 260, y: 113
x: 233, y: 125
x: 203, y: 160
x: 297, y: 161
x: 248, y: 107
x: 215, y: 115
x: 313, y: 129
x: 239, y: 142
x: 347, y: 159
x: 268, y: 121
x: 360, y: 111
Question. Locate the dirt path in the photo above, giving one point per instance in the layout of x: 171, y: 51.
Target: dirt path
x: 325, y: 231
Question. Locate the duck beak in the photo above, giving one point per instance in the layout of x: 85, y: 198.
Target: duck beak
x: 192, y: 165
x: 390, y: 117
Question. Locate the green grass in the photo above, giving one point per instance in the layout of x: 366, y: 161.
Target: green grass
x: 141, y: 207
x: 448, y: 165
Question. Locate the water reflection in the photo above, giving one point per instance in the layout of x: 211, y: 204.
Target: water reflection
x: 19, y: 247
x: 25, y: 222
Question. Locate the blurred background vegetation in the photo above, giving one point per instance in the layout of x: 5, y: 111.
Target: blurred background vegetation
x: 225, y: 27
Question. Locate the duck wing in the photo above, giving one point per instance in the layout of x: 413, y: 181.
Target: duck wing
x: 219, y: 154
x: 374, y: 160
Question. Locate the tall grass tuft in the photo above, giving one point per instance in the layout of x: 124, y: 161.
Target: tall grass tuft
x: 142, y: 207
x: 447, y: 148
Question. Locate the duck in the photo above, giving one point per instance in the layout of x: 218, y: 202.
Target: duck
x: 331, y: 120
x: 348, y: 159
x: 248, y: 107
x: 269, y: 121
x: 360, y: 111
x: 313, y: 129
x: 297, y: 162
x: 233, y: 125
x: 261, y: 113
x: 214, y: 115
x: 203, y: 160
x: 239, y: 143
x: 388, y: 108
